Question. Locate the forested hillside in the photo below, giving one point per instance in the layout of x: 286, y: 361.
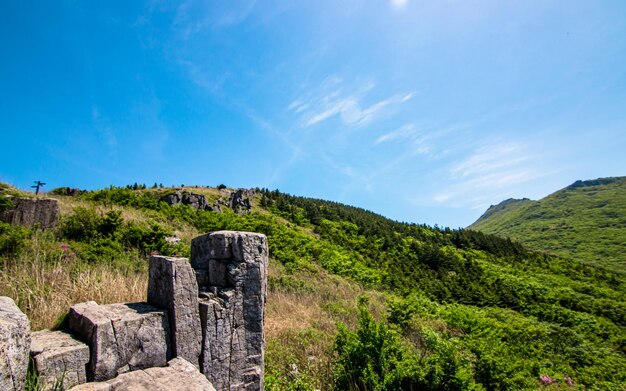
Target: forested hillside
x: 356, y: 301
x: 585, y: 221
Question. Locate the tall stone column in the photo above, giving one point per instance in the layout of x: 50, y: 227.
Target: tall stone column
x: 231, y: 270
x: 172, y: 286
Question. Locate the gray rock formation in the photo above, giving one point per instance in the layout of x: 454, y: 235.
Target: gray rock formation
x: 172, y: 199
x: 58, y: 357
x: 231, y: 268
x: 195, y: 201
x: 14, y: 345
x: 239, y: 200
x: 121, y: 337
x: 179, y: 375
x: 172, y: 286
x: 29, y: 212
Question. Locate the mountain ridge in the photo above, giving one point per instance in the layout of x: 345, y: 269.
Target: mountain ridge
x: 585, y: 220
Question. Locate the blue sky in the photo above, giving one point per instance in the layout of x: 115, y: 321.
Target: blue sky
x: 423, y: 111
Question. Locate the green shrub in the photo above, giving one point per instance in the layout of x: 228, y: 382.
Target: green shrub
x: 5, y: 203
x: 13, y: 239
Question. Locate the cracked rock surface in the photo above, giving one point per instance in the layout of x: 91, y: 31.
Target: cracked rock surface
x: 14, y: 345
x: 172, y: 286
x: 121, y: 337
x: 231, y: 268
x: 179, y: 375
x: 58, y: 356
x: 28, y: 212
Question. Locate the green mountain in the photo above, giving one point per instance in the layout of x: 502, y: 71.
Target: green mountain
x: 356, y: 301
x: 584, y: 221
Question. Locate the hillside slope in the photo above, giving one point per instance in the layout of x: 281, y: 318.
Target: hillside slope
x: 584, y: 221
x: 416, y: 307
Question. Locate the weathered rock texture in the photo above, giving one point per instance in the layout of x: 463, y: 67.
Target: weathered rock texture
x: 58, y: 356
x: 239, y: 200
x: 28, y: 212
x: 172, y: 286
x: 179, y: 375
x: 231, y: 268
x: 14, y: 345
x: 121, y: 337
x: 195, y: 201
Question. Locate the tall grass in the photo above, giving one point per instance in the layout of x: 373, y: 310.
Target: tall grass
x: 45, y: 283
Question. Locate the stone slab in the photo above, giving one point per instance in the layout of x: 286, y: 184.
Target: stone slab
x: 28, y: 212
x: 121, y: 337
x: 179, y: 375
x: 58, y: 357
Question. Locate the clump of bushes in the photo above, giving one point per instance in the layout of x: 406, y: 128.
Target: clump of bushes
x: 377, y: 357
x: 108, y: 236
x: 13, y: 239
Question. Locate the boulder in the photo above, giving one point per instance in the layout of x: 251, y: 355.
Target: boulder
x: 28, y: 212
x: 231, y: 269
x: 172, y: 286
x: 121, y: 337
x: 172, y: 199
x: 195, y: 201
x: 14, y: 345
x: 58, y: 357
x: 179, y: 375
x: 240, y: 200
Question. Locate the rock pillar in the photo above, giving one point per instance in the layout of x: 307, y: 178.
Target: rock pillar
x: 231, y: 269
x: 172, y: 286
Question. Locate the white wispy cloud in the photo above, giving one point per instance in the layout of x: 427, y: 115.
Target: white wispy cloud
x: 330, y: 99
x: 350, y: 110
x: 491, y: 171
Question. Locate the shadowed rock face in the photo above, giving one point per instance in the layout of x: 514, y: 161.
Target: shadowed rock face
x: 172, y: 286
x: 231, y: 268
x: 14, y: 345
x: 28, y: 212
x: 121, y: 337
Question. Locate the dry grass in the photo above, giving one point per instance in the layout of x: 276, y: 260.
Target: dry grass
x: 45, y: 290
x: 301, y: 322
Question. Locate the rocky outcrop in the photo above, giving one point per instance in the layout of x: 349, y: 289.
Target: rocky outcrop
x: 179, y: 375
x: 58, y: 358
x: 239, y: 200
x: 193, y: 200
x: 231, y: 268
x: 172, y: 286
x: 207, y: 314
x: 121, y: 337
x: 29, y: 212
x: 14, y: 345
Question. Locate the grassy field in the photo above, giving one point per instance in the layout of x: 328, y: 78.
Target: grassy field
x: 584, y: 221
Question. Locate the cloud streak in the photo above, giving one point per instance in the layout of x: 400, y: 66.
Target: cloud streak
x: 490, y: 171
x: 331, y: 101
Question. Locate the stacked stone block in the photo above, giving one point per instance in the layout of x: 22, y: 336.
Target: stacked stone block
x: 121, y: 337
x: 58, y: 358
x: 209, y: 314
x: 231, y: 268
